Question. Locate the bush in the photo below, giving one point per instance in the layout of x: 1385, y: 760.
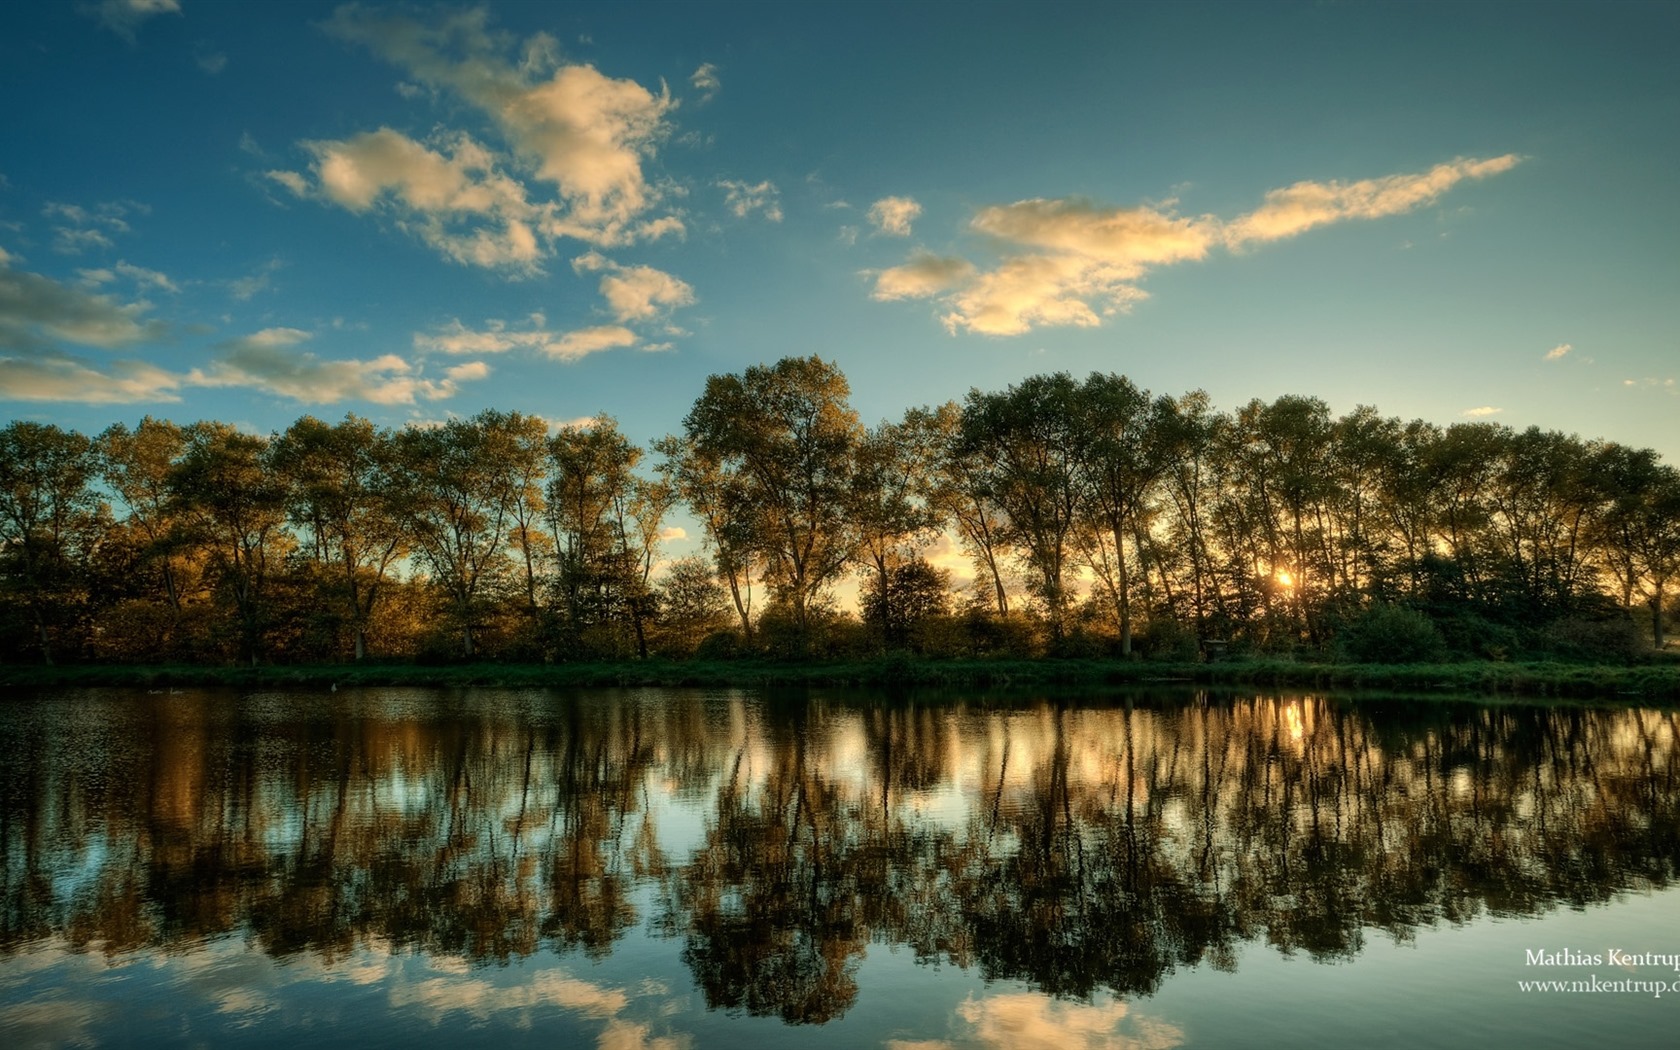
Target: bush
x: 1392, y: 634
x: 1611, y: 638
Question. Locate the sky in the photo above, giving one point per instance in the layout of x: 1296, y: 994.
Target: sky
x: 251, y: 212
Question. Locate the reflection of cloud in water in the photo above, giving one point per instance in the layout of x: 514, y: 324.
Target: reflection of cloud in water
x: 247, y: 988
x: 483, y: 1000
x: 45, y: 1023
x: 1029, y: 1021
x: 626, y: 1035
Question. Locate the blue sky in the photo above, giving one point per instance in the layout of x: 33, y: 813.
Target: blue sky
x: 250, y: 212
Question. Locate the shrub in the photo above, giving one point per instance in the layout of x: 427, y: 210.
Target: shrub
x: 1392, y: 634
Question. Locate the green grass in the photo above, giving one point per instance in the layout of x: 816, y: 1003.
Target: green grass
x: 1654, y: 681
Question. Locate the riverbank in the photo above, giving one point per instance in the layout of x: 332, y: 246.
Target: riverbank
x: 1658, y: 681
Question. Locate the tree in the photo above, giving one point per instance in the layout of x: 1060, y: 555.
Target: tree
x: 1027, y: 441
x: 340, y: 491
x: 890, y: 507
x: 786, y: 436
x: 455, y: 486
x: 606, y: 522
x: 719, y: 499
x: 233, y: 505
x: 1638, y: 525
x: 1125, y: 446
x: 962, y: 491
x: 48, y: 520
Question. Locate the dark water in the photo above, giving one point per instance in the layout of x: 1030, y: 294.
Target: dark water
x: 667, y: 869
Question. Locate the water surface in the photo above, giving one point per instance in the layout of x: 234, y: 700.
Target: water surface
x: 684, y: 869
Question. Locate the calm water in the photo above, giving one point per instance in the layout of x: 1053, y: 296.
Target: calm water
x: 667, y: 869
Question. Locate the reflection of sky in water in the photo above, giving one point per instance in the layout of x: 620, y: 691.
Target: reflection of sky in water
x: 664, y: 852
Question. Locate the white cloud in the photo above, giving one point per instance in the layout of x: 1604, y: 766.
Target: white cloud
x: 269, y: 361
x: 1481, y: 411
x: 1558, y: 352
x: 582, y: 131
x: 744, y: 198
x: 584, y: 341
x: 924, y: 275
x: 1295, y: 209
x: 62, y: 378
x: 1132, y: 239
x: 893, y: 215
x: 142, y: 277
x: 848, y: 235
x: 37, y: 312
x: 82, y: 228
x: 1070, y: 262
x: 705, y: 81
x: 246, y: 288
x: 1653, y: 383
x: 211, y: 62
x: 673, y: 532
x: 123, y: 17
x: 635, y: 293
x: 498, y: 337
x: 454, y: 198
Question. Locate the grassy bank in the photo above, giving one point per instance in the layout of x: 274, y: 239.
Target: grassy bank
x: 1655, y: 681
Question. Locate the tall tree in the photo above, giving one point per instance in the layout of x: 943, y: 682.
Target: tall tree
x: 233, y: 505
x: 48, y: 515
x: 1027, y: 438
x: 455, y: 487
x: 786, y: 432
x: 964, y: 481
x: 889, y: 503
x: 1638, y: 526
x: 1125, y: 446
x: 606, y: 522
x: 339, y: 491
x: 718, y: 499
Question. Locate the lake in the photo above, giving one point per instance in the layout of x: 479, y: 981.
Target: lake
x: 683, y: 869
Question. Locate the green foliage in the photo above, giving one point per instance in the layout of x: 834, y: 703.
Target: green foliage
x: 1392, y: 634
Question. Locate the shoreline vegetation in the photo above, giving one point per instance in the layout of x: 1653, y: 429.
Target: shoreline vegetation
x: 1102, y: 526
x: 1654, y: 681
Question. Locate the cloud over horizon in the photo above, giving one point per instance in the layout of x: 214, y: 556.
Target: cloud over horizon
x: 1072, y: 262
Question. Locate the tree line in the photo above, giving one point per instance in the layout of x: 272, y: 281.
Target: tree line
x: 1098, y: 518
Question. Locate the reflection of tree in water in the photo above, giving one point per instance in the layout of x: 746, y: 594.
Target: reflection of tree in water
x: 1076, y: 849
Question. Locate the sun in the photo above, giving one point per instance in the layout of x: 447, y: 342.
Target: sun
x: 1284, y: 578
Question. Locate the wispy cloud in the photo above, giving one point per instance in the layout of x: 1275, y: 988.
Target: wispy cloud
x: 80, y: 229
x: 1653, y: 383
x: 1481, y: 411
x: 65, y: 378
x: 744, y: 198
x: 1558, y: 352
x: 139, y: 275
x: 498, y: 337
x: 892, y: 216
x: 124, y: 17
x: 270, y: 361
x: 37, y: 313
x: 1072, y: 262
x: 211, y: 62
x: 1298, y: 208
x: 705, y: 81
